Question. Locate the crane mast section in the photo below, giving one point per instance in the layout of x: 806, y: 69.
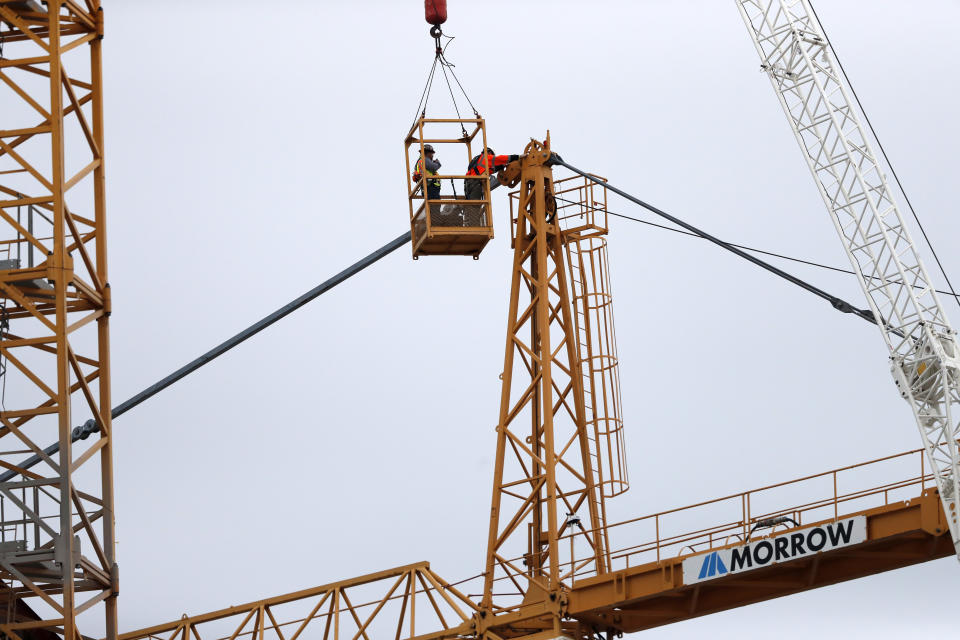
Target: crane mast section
x: 807, y: 79
x: 57, y: 549
x: 544, y: 484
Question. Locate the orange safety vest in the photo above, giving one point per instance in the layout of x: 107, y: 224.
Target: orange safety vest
x: 480, y: 164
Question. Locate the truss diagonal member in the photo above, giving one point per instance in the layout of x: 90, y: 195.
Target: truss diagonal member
x: 521, y: 512
x: 20, y: 299
x: 87, y: 132
x: 437, y: 609
x: 9, y: 150
x: 25, y: 96
x: 32, y: 586
x: 522, y: 401
x: 383, y: 601
x: 243, y: 624
x: 81, y: 245
x: 29, y: 237
x: 88, y: 525
x: 20, y: 140
x: 353, y: 614
x: 508, y: 565
x: 519, y: 443
x: 34, y: 378
x: 23, y: 27
x: 15, y: 430
x: 311, y: 616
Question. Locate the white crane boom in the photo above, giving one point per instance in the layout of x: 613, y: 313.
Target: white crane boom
x: 923, y: 347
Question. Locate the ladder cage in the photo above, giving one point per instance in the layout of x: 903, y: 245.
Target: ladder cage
x: 448, y: 222
x: 589, y: 268
x: 580, y: 206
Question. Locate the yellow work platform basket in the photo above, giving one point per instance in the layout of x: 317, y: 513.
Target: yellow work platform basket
x: 448, y: 224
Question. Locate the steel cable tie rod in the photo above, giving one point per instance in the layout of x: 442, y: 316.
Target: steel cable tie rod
x: 838, y: 303
x: 80, y: 433
x: 739, y: 246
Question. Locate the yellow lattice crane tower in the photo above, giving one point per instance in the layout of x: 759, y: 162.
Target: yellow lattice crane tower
x: 544, y: 470
x: 56, y: 505
x: 554, y: 567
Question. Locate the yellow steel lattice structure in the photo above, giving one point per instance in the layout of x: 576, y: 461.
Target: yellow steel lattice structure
x: 406, y: 602
x: 643, y: 587
x: 57, y: 548
x: 555, y: 567
x: 450, y: 224
x: 544, y: 483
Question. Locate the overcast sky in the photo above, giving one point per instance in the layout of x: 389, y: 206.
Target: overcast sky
x: 255, y: 149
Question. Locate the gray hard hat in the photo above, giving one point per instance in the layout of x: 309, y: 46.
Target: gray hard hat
x: 428, y: 148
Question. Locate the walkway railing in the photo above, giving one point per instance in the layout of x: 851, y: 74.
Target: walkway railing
x: 815, y: 498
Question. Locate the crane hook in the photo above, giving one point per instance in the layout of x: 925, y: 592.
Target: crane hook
x: 436, y: 32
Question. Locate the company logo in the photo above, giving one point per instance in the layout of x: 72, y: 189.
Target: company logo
x: 783, y: 548
x: 712, y: 566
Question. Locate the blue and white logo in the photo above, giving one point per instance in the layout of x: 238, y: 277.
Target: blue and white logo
x: 712, y: 566
x: 790, y: 545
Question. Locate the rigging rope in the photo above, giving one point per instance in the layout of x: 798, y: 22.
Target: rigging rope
x: 425, y: 96
x: 440, y: 58
x: 463, y: 91
x: 886, y: 158
x: 456, y: 107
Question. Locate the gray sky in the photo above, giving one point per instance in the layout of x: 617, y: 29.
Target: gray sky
x: 252, y: 152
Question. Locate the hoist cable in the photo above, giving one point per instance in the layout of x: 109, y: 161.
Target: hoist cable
x: 226, y: 346
x: 440, y: 58
x: 739, y: 246
x: 456, y: 107
x: 464, y: 92
x: 838, y: 303
x: 422, y: 105
x: 883, y: 152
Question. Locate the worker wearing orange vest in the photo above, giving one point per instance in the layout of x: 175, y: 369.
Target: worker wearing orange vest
x: 426, y: 163
x: 485, y: 164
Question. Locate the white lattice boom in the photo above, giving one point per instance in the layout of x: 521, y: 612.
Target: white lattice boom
x: 923, y: 347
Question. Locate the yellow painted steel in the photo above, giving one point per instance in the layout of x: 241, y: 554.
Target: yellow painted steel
x: 55, y: 294
x: 450, y: 225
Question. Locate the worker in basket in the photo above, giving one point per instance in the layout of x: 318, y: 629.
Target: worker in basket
x: 426, y: 163
x: 485, y: 165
